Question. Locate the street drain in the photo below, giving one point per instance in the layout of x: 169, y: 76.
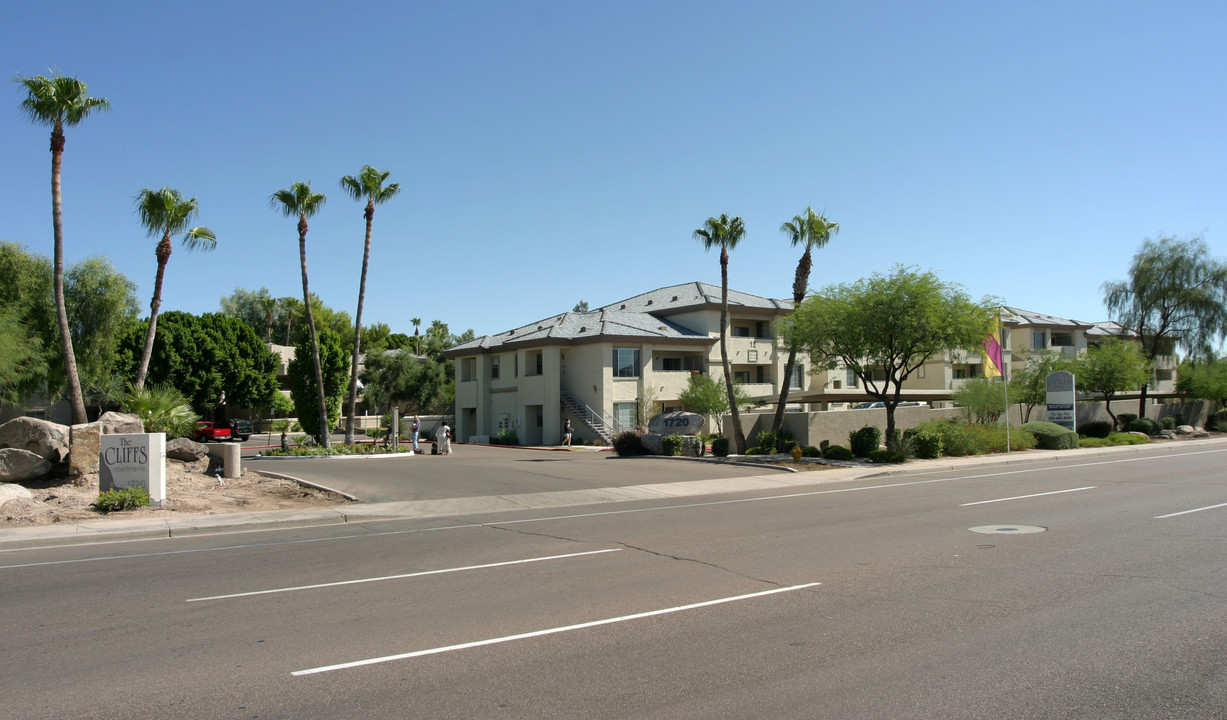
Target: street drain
x: 1007, y: 529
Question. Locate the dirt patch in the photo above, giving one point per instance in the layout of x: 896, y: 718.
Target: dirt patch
x: 188, y: 490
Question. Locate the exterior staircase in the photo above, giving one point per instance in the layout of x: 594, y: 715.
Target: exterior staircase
x: 589, y: 417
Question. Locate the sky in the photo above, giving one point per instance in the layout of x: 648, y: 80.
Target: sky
x: 553, y: 152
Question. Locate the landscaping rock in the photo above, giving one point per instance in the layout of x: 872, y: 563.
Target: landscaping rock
x: 86, y: 444
x: 114, y: 423
x: 46, y: 439
x: 676, y: 423
x: 9, y: 491
x: 652, y: 443
x: 185, y: 450
x: 18, y: 465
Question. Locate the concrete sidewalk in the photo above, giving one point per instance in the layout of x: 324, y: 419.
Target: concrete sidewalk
x: 112, y: 530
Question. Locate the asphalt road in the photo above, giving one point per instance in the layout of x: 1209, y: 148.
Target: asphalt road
x: 867, y: 599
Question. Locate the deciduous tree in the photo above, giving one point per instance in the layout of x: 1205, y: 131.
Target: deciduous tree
x: 1108, y: 368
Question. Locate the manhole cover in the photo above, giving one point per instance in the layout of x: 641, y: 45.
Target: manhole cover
x: 1007, y: 529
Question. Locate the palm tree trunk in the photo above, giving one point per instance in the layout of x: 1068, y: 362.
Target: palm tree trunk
x: 325, y: 431
x: 739, y: 439
x: 353, y: 367
x: 163, y: 253
x: 75, y: 398
x: 800, y: 283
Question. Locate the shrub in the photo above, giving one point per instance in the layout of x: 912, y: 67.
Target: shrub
x: 865, y: 440
x: 1096, y: 429
x: 673, y: 444
x: 983, y: 400
x: 759, y: 451
x: 837, y: 452
x: 1169, y: 422
x: 162, y: 409
x: 887, y: 456
x: 119, y: 499
x: 1126, y: 439
x: 924, y: 442
x: 766, y: 440
x: 506, y: 436
x: 720, y: 446
x: 811, y: 452
x: 1143, y: 425
x: 1125, y: 418
x: 1050, y: 436
x: 628, y: 443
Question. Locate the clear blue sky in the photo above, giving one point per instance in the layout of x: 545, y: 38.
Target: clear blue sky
x: 551, y: 152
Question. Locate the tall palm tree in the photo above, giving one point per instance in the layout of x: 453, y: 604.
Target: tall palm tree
x: 298, y: 200
x: 164, y: 213
x: 417, y: 339
x: 811, y: 230
x: 60, y: 102
x: 725, y: 232
x: 368, y: 185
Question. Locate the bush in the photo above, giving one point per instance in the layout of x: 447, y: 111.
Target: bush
x: 1096, y: 429
x: 887, y: 456
x: 925, y: 442
x: 673, y: 444
x: 162, y: 409
x: 1125, y: 418
x: 767, y: 441
x: 1111, y: 440
x: 629, y: 443
x: 506, y: 437
x: 1169, y: 422
x: 759, y: 451
x: 865, y: 440
x: 1143, y: 425
x: 720, y: 446
x: 837, y: 452
x: 1050, y: 436
x: 128, y: 498
x: 811, y: 452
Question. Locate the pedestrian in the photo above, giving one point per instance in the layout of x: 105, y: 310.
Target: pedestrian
x: 445, y: 439
x: 566, y: 433
x: 417, y: 427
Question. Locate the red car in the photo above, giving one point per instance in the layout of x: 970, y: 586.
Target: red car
x: 209, y: 432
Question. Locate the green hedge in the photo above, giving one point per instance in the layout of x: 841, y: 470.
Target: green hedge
x: 865, y: 440
x: 837, y: 452
x: 1050, y: 436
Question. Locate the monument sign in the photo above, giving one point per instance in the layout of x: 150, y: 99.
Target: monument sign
x: 135, y: 460
x: 1061, y: 410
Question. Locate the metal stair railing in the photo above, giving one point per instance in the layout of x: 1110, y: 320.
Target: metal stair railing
x: 590, y: 417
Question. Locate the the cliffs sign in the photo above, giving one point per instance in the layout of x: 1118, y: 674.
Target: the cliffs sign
x: 137, y: 460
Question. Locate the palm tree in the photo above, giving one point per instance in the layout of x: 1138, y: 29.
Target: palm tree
x: 812, y: 230
x: 164, y: 212
x: 725, y: 232
x: 60, y: 102
x: 299, y: 200
x: 367, y: 185
x: 417, y: 339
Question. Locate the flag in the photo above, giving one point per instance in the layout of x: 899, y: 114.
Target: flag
x: 992, y: 351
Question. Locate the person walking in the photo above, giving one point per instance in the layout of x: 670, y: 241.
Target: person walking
x: 566, y: 433
x: 417, y: 427
x: 445, y: 439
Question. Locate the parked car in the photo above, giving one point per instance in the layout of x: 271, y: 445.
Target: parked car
x: 240, y: 429
x: 210, y: 432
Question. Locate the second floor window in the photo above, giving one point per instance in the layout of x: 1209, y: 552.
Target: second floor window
x: 494, y: 368
x: 626, y: 362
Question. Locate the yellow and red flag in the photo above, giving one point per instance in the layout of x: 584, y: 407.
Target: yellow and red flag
x: 992, y: 351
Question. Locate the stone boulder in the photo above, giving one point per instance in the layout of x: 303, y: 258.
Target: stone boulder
x: 185, y: 450
x: 114, y: 423
x: 1184, y: 429
x: 18, y: 465
x: 9, y: 491
x: 86, y: 444
x: 46, y: 439
x: 652, y: 443
x: 676, y: 423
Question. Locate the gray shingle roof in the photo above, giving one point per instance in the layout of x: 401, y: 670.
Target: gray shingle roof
x: 1027, y: 317
x: 692, y: 295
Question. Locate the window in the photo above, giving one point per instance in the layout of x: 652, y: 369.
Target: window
x: 851, y: 377
x: 1062, y: 340
x: 740, y: 331
x: 920, y: 372
x: 494, y: 367
x: 626, y: 362
x: 762, y: 329
x: 741, y: 376
x: 760, y: 374
x: 468, y: 368
x: 624, y: 413
x: 540, y: 362
x: 671, y: 364
x: 1037, y: 339
x: 798, y: 375
x: 694, y: 362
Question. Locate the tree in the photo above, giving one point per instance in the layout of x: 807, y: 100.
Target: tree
x: 368, y: 185
x: 334, y: 362
x: 60, y: 101
x: 1176, y: 296
x: 1205, y: 378
x: 725, y: 233
x: 164, y: 213
x: 704, y: 396
x: 581, y: 306
x: 891, y: 325
x: 1111, y: 367
x: 102, y: 310
x: 417, y: 338
x: 287, y: 315
x: 299, y: 200
x: 810, y: 230
x: 408, y: 381
x: 20, y: 357
x: 982, y: 399
x: 1029, y: 386
x: 26, y: 297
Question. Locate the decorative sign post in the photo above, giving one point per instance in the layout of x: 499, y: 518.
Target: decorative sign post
x: 136, y: 460
x: 1061, y: 410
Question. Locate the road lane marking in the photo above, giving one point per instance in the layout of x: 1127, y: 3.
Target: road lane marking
x: 471, y: 525
x: 1024, y: 497
x: 1186, y: 512
x: 423, y: 573
x: 548, y: 631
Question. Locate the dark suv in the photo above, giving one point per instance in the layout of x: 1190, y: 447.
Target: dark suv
x: 240, y: 429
